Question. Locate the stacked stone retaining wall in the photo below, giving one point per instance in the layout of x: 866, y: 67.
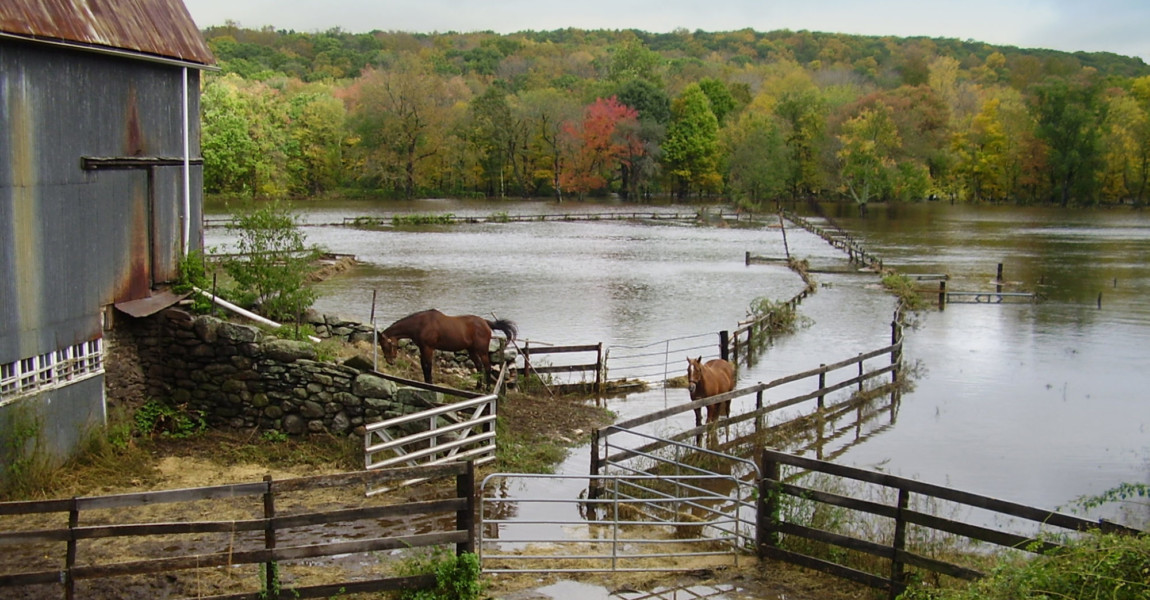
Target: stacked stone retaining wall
x: 237, y: 376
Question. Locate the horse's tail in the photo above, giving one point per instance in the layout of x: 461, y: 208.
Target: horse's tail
x: 507, y: 327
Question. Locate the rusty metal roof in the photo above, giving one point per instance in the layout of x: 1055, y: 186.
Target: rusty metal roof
x: 155, y: 27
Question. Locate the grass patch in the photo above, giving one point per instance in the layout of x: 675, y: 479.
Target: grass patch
x: 1111, y: 566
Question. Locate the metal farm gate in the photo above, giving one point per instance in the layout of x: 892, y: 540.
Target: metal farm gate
x: 680, y: 510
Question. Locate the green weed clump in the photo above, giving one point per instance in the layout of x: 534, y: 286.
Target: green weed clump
x: 456, y: 577
x: 903, y: 288
x: 1096, y: 566
x: 416, y: 219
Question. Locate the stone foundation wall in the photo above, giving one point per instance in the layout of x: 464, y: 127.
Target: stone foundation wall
x: 237, y: 376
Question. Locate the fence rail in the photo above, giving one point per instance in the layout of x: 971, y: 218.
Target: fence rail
x: 774, y: 487
x: 275, y: 527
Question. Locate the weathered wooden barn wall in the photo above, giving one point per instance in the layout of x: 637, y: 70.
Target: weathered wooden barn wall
x: 74, y: 241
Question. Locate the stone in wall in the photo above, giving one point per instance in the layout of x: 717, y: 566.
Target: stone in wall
x: 238, y: 376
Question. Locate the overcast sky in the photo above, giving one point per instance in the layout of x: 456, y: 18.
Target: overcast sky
x: 1119, y: 26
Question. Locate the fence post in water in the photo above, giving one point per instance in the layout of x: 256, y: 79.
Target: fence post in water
x: 599, y: 369
x: 271, y: 568
x: 767, y: 515
x: 896, y: 353
x: 998, y: 278
x: 899, y: 544
x: 724, y: 345
x: 758, y: 410
x: 942, y: 294
x: 822, y: 383
x: 593, y: 484
x: 465, y: 517
x: 860, y: 373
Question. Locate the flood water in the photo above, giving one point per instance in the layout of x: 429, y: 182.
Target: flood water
x: 1037, y: 403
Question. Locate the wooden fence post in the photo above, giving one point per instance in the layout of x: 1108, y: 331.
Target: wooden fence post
x: 70, y: 560
x: 593, y: 484
x: 767, y: 515
x: 271, y: 568
x: 942, y: 294
x: 899, y: 544
x: 599, y: 368
x: 822, y: 384
x: 465, y: 518
x: 725, y: 345
x: 860, y: 373
x: 758, y: 410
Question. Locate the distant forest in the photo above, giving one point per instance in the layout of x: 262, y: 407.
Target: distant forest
x: 744, y: 116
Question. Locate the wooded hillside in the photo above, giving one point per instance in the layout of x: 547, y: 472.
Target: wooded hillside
x: 744, y: 115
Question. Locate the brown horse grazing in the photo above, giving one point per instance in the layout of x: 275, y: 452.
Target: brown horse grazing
x: 432, y: 330
x: 715, y: 377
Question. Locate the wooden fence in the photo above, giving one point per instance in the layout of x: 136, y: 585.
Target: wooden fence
x: 71, y: 548
x: 597, y: 367
x: 856, y: 378
x: 902, y: 514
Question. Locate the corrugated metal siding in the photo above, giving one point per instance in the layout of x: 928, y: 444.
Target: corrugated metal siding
x: 66, y: 415
x: 157, y: 27
x: 73, y: 241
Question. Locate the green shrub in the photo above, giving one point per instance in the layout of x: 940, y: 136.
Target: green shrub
x: 1096, y: 566
x: 158, y: 418
x: 456, y: 577
x: 273, y: 265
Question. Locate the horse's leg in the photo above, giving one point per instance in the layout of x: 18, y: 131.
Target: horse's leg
x: 483, y: 365
x: 426, y: 360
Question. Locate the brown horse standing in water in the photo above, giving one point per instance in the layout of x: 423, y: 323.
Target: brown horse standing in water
x: 432, y: 330
x: 715, y: 377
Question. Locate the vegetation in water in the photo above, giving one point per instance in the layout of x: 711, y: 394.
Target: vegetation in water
x: 417, y: 219
x: 904, y: 289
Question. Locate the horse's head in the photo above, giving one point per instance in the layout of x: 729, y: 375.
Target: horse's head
x: 389, y: 346
x: 694, y: 374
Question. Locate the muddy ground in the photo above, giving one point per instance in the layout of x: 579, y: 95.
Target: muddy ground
x: 223, y: 457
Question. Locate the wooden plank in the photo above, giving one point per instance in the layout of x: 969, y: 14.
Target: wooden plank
x: 938, y: 566
x: 835, y: 539
x: 169, y: 496
x: 31, y: 578
x: 867, y: 506
x: 428, y: 507
x: 336, y: 590
x: 565, y: 368
x: 993, y: 536
x: 260, y: 556
x: 830, y: 568
x: 367, y: 477
x: 937, y: 491
x: 531, y: 350
x: 11, y: 538
x: 35, y: 507
x: 172, y: 528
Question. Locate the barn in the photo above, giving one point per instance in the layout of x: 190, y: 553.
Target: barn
x: 100, y: 196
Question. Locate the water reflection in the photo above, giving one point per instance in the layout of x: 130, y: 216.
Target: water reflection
x: 1036, y: 403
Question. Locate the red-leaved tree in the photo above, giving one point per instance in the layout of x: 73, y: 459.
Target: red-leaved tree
x: 598, y: 146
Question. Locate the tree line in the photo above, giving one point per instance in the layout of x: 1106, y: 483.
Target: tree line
x: 748, y: 116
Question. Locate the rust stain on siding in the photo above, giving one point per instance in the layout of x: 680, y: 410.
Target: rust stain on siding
x: 158, y: 27
x: 134, y: 140
x: 27, y: 244
x: 137, y: 282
